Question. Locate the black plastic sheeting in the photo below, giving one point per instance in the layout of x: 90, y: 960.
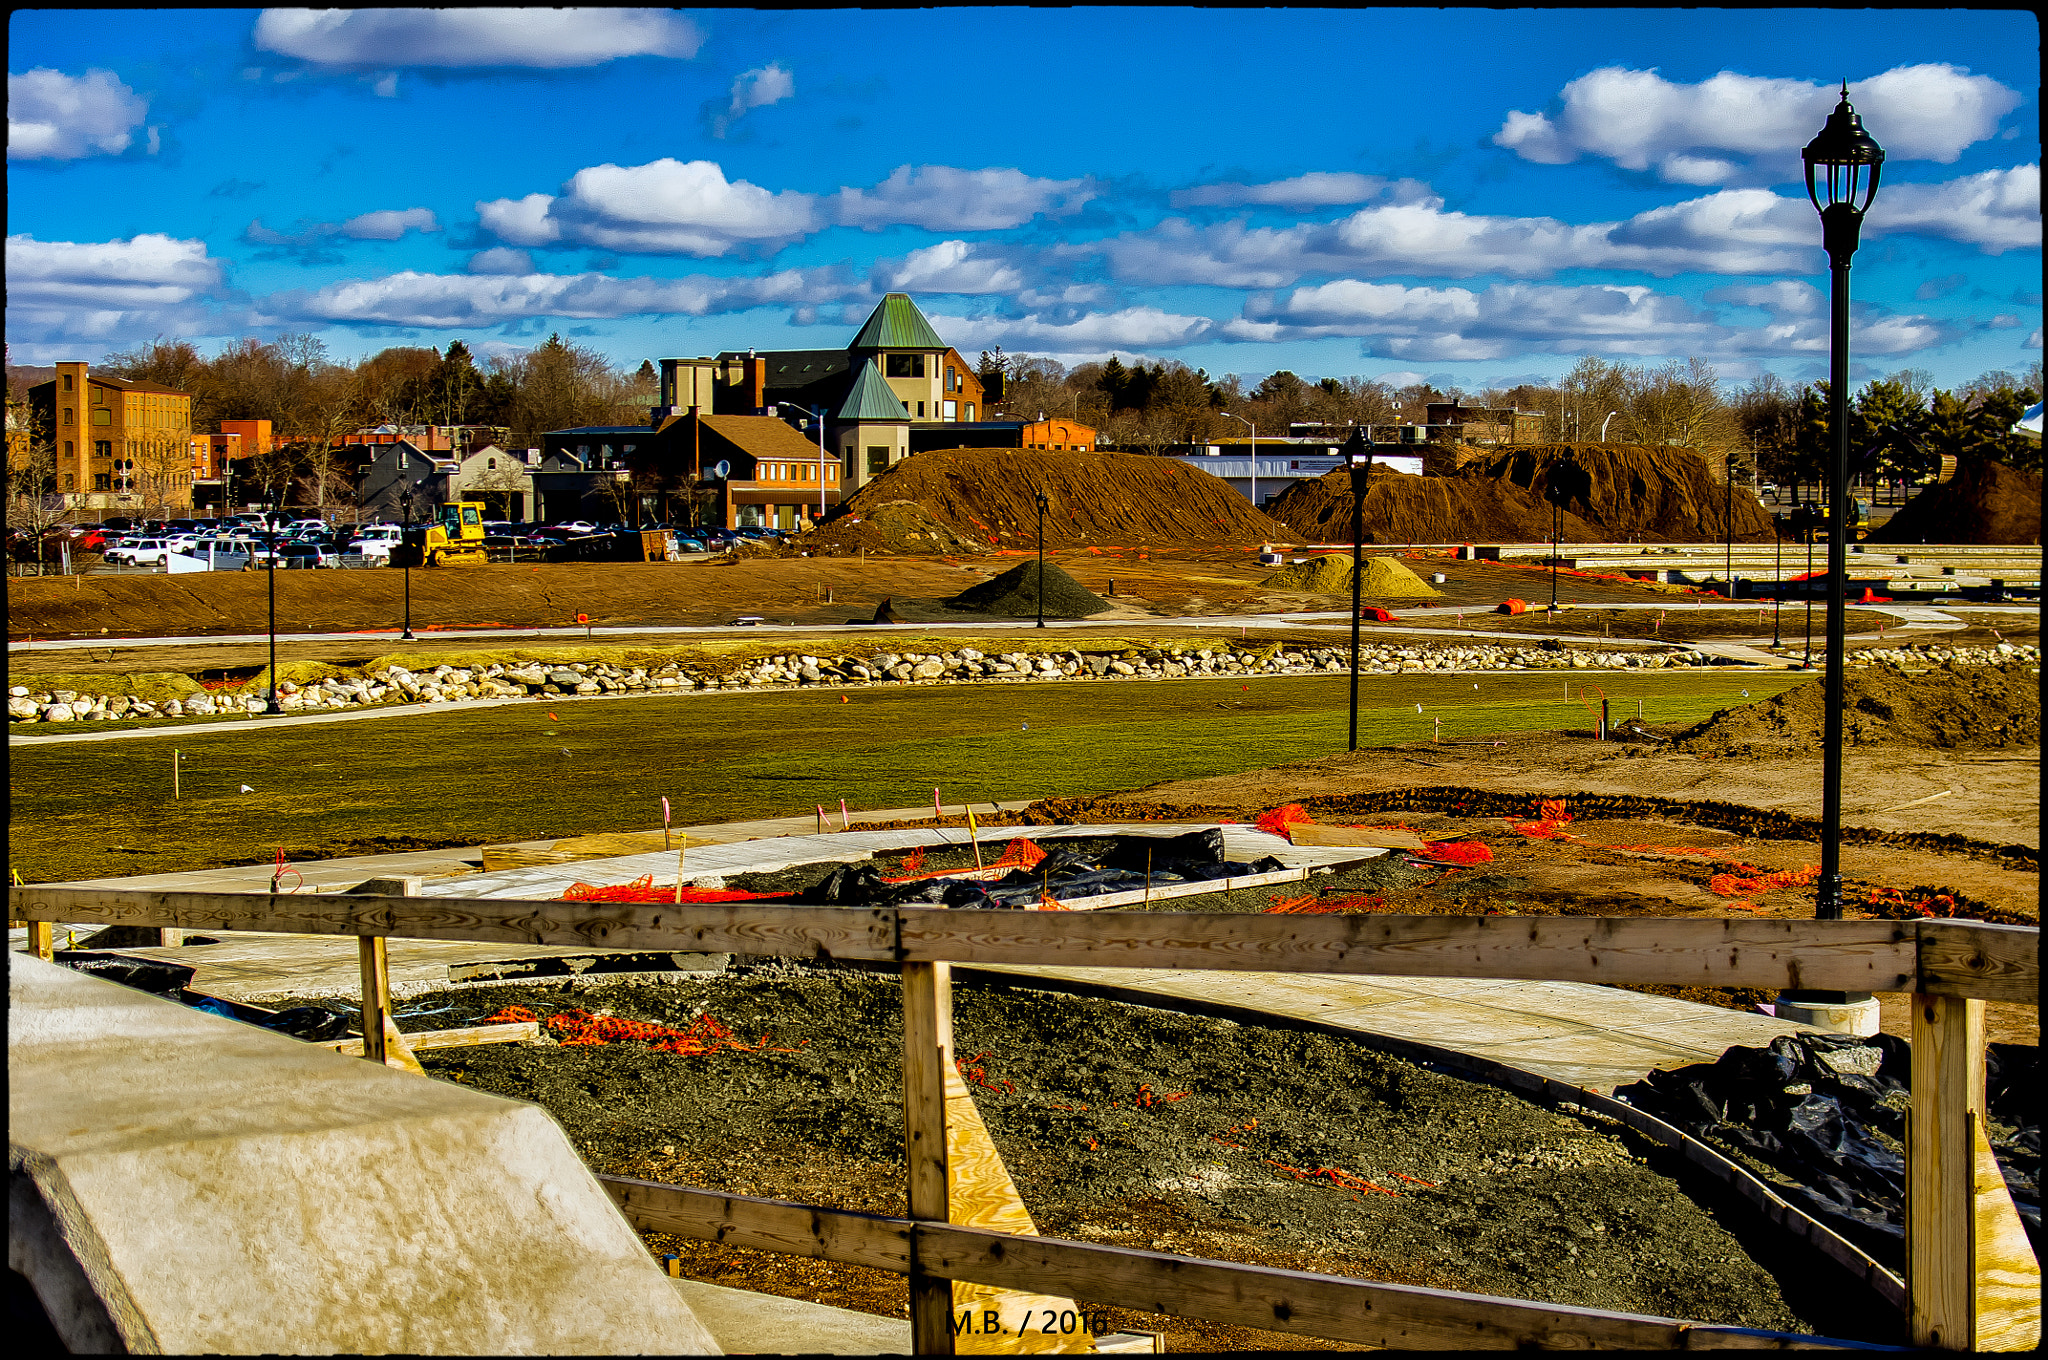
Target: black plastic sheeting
x: 1827, y: 1113
x: 168, y: 980
x: 1121, y: 864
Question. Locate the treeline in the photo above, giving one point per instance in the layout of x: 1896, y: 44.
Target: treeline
x: 1901, y: 426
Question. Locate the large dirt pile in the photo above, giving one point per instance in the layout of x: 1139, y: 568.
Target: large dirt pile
x: 1401, y: 508
x: 1094, y: 498
x: 1015, y: 594
x: 1634, y: 492
x: 896, y: 527
x: 1630, y: 492
x: 1984, y: 502
x: 1954, y: 707
x: 1383, y: 578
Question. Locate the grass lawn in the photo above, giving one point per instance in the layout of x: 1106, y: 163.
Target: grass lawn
x: 104, y: 809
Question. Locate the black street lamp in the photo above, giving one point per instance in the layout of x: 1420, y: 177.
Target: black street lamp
x: 270, y: 571
x: 1358, y: 457
x: 1041, y: 559
x: 1837, y: 162
x: 1777, y: 576
x: 405, y: 548
x: 1565, y: 480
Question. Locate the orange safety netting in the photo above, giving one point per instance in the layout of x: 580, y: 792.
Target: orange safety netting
x: 1458, y: 852
x: 1021, y: 853
x: 1550, y: 819
x: 644, y: 889
x: 1663, y: 849
x: 1324, y: 906
x: 1739, y: 885
x: 1276, y: 822
x: 705, y: 1035
x: 1336, y: 1175
x: 1936, y: 904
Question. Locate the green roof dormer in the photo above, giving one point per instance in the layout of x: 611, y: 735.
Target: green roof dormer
x: 870, y: 397
x: 896, y: 323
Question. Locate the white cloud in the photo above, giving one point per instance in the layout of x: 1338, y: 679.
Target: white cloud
x: 522, y: 221
x: 478, y: 299
x: 52, y: 116
x: 1317, y: 189
x: 501, y: 260
x: 942, y: 198
x: 948, y: 267
x: 1735, y: 128
x: 548, y: 38
x: 1999, y: 210
x: 755, y: 89
x: 1131, y: 328
x: 390, y: 224
x: 58, y: 289
x: 1506, y: 320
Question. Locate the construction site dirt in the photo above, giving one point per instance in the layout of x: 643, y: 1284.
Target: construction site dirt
x: 1139, y: 1127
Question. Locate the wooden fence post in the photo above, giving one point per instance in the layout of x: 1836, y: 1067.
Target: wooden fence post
x: 373, y: 957
x: 42, y: 940
x: 927, y: 1054
x: 1948, y: 1103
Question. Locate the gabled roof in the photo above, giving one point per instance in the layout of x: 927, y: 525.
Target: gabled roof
x: 763, y: 437
x: 896, y: 323
x: 870, y: 398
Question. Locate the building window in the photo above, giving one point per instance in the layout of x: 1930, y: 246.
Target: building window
x: 67, y: 415
x: 67, y: 448
x: 70, y: 482
x: 920, y: 410
x: 878, y: 459
x: 970, y: 412
x: 491, y: 464
x: 102, y: 416
x: 67, y: 388
x: 102, y: 481
x: 103, y: 448
x: 952, y: 410
x: 904, y: 365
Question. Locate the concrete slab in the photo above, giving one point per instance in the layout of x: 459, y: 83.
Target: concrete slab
x: 745, y: 1323
x: 184, y: 1184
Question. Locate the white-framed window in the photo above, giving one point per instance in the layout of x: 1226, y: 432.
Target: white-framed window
x: 970, y: 413
x: 952, y: 408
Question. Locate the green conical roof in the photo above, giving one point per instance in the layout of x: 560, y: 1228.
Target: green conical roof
x: 897, y: 324
x: 870, y: 397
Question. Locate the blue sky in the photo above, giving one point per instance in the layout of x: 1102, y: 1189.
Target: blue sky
x: 1479, y: 197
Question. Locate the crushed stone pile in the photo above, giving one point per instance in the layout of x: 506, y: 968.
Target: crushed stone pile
x: 1384, y: 578
x: 1629, y: 492
x: 1015, y: 594
x: 1952, y: 707
x: 1984, y: 502
x: 1106, y: 499
x: 1402, y: 508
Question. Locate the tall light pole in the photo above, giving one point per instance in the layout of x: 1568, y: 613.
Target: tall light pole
x: 1560, y: 486
x: 1358, y: 457
x: 1603, y: 425
x: 1777, y: 576
x: 1728, y: 522
x: 1041, y: 559
x: 1842, y: 155
x: 1255, y: 455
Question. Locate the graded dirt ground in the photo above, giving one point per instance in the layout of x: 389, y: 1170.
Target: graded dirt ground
x: 713, y: 592
x: 1149, y: 1128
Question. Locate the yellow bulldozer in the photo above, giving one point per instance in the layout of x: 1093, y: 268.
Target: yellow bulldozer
x: 456, y: 539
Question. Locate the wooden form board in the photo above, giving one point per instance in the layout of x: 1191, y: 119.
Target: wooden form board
x: 1389, y: 838
x: 1328, y: 1306
x: 518, y: 1032
x: 1967, y: 958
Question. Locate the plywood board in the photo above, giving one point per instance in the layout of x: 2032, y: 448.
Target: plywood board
x: 2007, y: 1274
x: 1388, y: 838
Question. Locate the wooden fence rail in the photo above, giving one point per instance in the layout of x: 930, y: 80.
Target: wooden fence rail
x: 1951, y: 967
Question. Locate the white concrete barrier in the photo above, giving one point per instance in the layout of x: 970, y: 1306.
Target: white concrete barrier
x: 183, y: 1183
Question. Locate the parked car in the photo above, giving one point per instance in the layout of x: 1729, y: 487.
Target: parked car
x: 686, y: 544
x: 576, y: 528
x: 376, y: 540
x: 303, y: 554
x: 144, y: 552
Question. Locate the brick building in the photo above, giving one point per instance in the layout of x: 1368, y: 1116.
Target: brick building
x: 118, y: 443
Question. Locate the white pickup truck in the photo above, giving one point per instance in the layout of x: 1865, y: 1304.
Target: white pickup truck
x: 377, y: 540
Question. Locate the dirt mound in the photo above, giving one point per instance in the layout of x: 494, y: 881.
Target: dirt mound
x: 989, y: 496
x: 1330, y: 574
x: 1955, y: 707
x: 1634, y: 491
x: 1015, y: 594
x: 1984, y: 502
x: 1629, y: 492
x: 1401, y: 508
x: 895, y: 527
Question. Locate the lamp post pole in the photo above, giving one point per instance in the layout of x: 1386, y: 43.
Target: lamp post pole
x: 1358, y: 457
x: 1041, y: 559
x: 1556, y: 532
x: 405, y: 547
x: 1253, y: 427
x: 271, y: 572
x: 1777, y: 577
x: 1728, y: 523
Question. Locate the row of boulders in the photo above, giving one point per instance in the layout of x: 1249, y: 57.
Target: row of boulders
x: 454, y: 684
x: 1935, y: 654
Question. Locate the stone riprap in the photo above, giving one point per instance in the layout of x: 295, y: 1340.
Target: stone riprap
x: 454, y: 684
